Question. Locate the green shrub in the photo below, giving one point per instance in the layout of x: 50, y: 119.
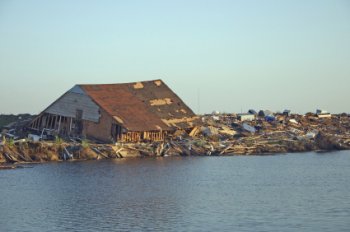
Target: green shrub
x: 85, y: 143
x: 10, y: 142
x: 199, y: 143
x: 58, y: 141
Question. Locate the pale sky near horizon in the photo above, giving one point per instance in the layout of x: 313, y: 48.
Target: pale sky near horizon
x: 216, y: 55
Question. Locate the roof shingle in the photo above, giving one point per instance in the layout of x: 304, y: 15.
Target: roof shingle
x: 141, y: 106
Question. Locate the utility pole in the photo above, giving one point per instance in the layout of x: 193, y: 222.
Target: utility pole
x: 198, y: 102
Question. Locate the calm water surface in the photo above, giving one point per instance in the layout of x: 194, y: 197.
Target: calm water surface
x: 294, y: 192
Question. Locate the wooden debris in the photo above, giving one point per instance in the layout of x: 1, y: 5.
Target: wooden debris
x: 10, y: 158
x: 195, y: 131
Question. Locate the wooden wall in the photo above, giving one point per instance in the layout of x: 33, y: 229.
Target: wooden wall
x: 73, y: 100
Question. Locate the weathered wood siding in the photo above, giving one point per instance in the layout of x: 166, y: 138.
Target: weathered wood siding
x: 75, y: 99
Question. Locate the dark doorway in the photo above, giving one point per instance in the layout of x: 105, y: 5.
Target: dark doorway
x: 116, y: 132
x: 79, y: 122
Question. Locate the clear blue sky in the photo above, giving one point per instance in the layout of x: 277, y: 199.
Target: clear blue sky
x: 234, y: 55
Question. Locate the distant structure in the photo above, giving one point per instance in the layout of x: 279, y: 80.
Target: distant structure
x: 128, y: 112
x: 323, y: 114
x: 286, y: 112
x: 245, y: 117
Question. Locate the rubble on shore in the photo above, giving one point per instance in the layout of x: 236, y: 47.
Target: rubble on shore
x: 219, y: 135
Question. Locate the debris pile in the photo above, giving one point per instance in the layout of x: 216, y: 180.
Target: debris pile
x: 218, y: 134
x: 273, y: 133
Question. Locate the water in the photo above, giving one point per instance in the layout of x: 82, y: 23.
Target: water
x: 294, y: 192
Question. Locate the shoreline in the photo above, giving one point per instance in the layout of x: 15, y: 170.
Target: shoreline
x: 26, y: 153
x: 24, y: 165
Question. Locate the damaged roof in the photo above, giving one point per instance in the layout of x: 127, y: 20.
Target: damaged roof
x: 142, y: 106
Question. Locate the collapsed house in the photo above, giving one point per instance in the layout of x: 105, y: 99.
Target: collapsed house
x: 128, y: 112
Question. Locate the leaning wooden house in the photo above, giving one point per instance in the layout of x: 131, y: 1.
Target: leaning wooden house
x: 128, y: 112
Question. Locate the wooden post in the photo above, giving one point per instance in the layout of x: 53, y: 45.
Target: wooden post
x: 52, y: 122
x: 59, y: 124
x: 56, y: 122
x: 48, y: 118
x: 49, y: 121
x: 40, y: 121
x: 70, y: 125
x: 46, y: 121
x: 34, y: 123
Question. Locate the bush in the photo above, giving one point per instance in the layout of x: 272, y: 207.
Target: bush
x: 11, y: 142
x: 85, y: 143
x: 58, y: 141
x: 200, y: 143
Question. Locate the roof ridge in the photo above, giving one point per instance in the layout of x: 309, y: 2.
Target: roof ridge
x: 125, y: 83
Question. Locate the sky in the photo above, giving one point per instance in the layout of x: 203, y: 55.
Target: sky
x: 224, y: 55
